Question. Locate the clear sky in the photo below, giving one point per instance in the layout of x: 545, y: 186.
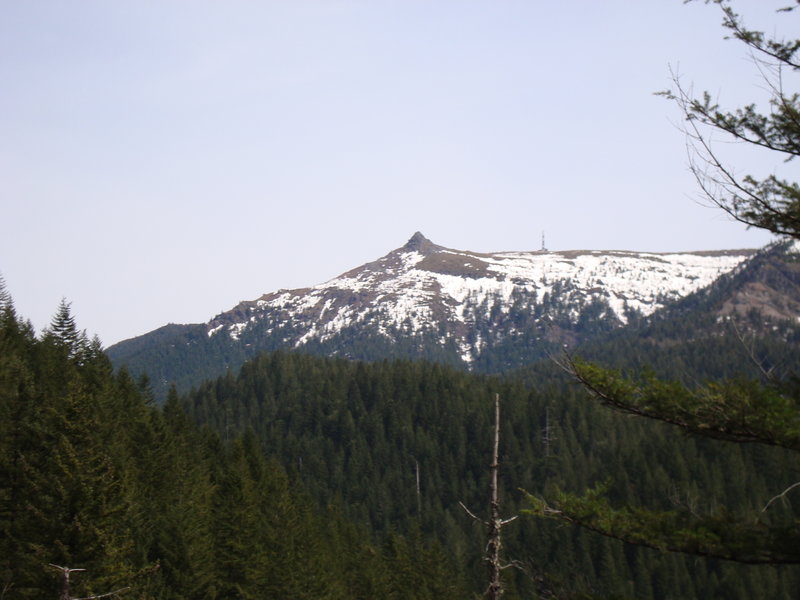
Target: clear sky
x: 161, y: 160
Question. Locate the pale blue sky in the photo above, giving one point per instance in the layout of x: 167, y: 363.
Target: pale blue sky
x: 161, y: 160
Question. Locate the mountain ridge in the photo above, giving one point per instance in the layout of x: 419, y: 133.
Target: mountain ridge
x: 423, y: 300
x: 433, y: 279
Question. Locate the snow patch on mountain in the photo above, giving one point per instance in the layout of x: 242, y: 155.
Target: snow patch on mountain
x: 423, y: 287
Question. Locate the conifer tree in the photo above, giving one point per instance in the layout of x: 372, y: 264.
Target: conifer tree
x: 77, y: 501
x: 5, y: 296
x: 742, y: 410
x: 64, y: 334
x: 17, y: 408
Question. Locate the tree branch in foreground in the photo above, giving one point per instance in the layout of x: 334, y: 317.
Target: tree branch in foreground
x: 719, y: 535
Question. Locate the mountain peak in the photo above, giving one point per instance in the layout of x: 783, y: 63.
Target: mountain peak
x: 419, y: 243
x: 428, y: 301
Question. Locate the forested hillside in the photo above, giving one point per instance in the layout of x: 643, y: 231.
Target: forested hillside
x: 297, y: 477
x: 360, y: 433
x: 94, y: 477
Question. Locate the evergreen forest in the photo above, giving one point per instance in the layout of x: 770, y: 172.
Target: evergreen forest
x: 146, y: 504
x: 309, y: 477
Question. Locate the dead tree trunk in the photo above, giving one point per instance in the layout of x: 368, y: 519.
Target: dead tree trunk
x: 65, y: 572
x: 495, y: 524
x: 65, y: 585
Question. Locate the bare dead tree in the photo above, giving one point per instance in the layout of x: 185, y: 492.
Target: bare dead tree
x: 495, y: 523
x: 65, y: 585
x: 65, y: 573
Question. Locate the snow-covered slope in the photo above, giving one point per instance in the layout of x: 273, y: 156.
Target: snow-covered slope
x: 472, y: 300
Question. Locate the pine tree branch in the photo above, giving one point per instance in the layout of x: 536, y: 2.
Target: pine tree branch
x: 736, y: 411
x: 718, y: 535
x: 783, y: 52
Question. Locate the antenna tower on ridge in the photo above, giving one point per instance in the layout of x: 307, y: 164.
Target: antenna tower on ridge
x: 544, y: 248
